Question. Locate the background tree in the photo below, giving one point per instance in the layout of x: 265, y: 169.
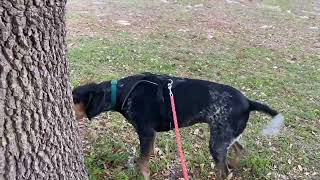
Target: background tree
x: 38, y: 138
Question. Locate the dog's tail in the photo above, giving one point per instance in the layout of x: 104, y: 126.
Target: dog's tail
x: 274, y: 127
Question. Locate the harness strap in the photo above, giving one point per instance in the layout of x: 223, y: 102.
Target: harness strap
x: 113, y: 93
x: 132, y: 88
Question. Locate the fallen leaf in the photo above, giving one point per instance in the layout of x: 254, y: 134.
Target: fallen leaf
x: 158, y: 151
x: 198, y: 5
x: 201, y: 167
x: 123, y: 22
x: 196, y: 131
x: 316, y: 45
x: 313, y: 28
x: 106, y: 165
x: 212, y: 165
x: 166, y: 173
x: 266, y: 27
x: 209, y: 36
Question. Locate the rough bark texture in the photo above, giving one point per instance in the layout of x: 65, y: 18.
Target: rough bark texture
x: 38, y: 137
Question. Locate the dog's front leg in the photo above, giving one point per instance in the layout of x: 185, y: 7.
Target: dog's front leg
x: 146, y: 137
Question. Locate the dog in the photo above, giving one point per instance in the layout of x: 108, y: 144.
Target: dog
x: 144, y: 101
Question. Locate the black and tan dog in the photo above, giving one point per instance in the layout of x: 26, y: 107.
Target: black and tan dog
x: 144, y: 101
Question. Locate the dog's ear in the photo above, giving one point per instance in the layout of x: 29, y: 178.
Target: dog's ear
x: 96, y: 104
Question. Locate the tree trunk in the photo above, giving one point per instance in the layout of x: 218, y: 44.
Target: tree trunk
x: 38, y: 136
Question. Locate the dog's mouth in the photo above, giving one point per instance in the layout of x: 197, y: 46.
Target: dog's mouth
x: 80, y: 111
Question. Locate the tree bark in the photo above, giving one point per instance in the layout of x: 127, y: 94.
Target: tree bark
x: 38, y: 134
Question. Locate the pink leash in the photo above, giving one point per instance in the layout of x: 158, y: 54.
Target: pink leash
x: 178, y: 139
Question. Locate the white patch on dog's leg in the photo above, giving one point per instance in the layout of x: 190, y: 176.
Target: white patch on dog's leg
x: 274, y: 127
x: 234, y: 140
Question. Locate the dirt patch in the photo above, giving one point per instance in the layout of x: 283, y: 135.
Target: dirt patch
x: 256, y: 24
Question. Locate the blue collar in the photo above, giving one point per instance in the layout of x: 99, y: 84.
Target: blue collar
x: 113, y: 93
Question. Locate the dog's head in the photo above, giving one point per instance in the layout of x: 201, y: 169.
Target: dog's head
x: 91, y: 99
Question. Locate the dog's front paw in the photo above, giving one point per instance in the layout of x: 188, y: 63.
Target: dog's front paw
x: 144, y: 168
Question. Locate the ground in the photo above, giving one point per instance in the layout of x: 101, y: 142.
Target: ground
x: 268, y: 49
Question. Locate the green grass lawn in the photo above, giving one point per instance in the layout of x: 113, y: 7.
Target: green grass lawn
x: 268, y: 54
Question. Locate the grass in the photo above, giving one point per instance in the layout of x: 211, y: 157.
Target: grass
x: 290, y: 4
x: 283, y: 75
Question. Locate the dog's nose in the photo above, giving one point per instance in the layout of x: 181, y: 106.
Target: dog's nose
x: 80, y: 117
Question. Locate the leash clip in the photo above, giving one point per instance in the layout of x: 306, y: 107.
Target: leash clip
x: 170, y: 87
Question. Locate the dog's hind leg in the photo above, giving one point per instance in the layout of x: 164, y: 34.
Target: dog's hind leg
x: 236, y: 146
x: 238, y: 149
x: 146, y: 137
x: 220, y: 140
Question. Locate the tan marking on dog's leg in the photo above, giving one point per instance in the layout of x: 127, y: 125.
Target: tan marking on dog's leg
x: 80, y: 111
x: 144, y: 167
x: 222, y: 172
x: 143, y: 161
x: 152, y: 147
x: 238, y: 149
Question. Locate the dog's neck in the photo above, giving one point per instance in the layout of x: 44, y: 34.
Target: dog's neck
x: 119, y: 99
x: 123, y: 88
